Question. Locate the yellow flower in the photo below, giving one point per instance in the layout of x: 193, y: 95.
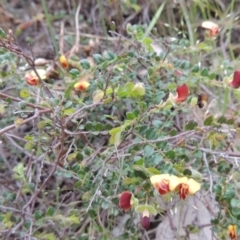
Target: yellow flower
x: 187, y: 186
x: 32, y: 79
x: 64, y: 62
x: 232, y: 231
x: 81, y: 85
x: 164, y: 183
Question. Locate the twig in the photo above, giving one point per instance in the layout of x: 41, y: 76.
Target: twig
x: 184, y: 134
x: 209, y: 172
x: 10, y: 127
x: 61, y: 37
x: 6, y: 96
x: 220, y: 153
x: 75, y: 47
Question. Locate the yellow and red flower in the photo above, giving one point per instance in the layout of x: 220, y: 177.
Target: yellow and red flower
x: 63, y: 61
x: 235, y: 83
x: 164, y: 183
x: 81, y: 85
x: 232, y: 231
x: 32, y: 79
x: 125, y: 200
x: 182, y: 93
x: 187, y: 186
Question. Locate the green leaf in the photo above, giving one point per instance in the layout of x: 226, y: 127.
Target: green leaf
x: 29, y: 146
x: 2, y: 34
x: 109, y: 55
x: 235, y: 203
x: 125, y: 90
x: 69, y: 111
x: 153, y: 170
x: 148, y: 151
x: 50, y: 211
x: 195, y: 68
x: 92, y: 213
x: 37, y: 215
x: 85, y: 64
x: 115, y: 138
x: 229, y: 195
x: 73, y: 219
x: 46, y: 236
x: 74, y: 72
x: 98, y: 58
x: 89, y: 126
x: 208, y: 121
x: 98, y: 127
x: 24, y: 93
x: 149, y: 208
x: 204, y: 72
x: 170, y: 154
x: 191, y: 125
x: 72, y: 156
x: 19, y: 171
x: 68, y: 104
x: 130, y: 115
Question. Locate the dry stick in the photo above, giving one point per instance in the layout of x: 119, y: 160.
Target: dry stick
x: 10, y: 127
x: 75, y: 47
x: 61, y: 37
x: 223, y: 154
x: 6, y: 96
x: 183, y: 134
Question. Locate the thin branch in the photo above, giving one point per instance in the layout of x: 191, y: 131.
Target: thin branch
x: 80, y: 110
x: 184, y: 134
x: 209, y: 171
x: 36, y: 115
x: 15, y: 99
x: 75, y: 47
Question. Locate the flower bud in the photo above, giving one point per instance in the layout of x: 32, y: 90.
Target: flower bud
x: 125, y: 200
x: 145, y: 219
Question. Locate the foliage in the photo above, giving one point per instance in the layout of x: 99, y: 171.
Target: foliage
x: 116, y: 122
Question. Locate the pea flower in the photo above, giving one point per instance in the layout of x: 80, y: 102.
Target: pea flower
x: 81, y: 85
x: 145, y: 219
x: 212, y: 27
x: 125, y: 200
x: 187, y: 186
x: 235, y: 83
x: 164, y: 183
x: 63, y: 61
x: 232, y: 231
x: 182, y: 93
x: 32, y: 79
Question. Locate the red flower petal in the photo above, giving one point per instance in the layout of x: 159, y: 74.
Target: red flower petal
x: 145, y: 222
x: 182, y: 93
x: 125, y: 200
x: 163, y: 187
x: 236, y: 80
x: 232, y: 231
x: 183, y: 190
x: 31, y: 80
x: 214, y: 31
